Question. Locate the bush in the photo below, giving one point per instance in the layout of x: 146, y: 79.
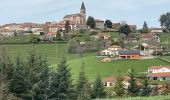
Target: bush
x: 93, y: 33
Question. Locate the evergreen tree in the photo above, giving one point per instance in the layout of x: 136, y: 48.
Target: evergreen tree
x: 18, y: 84
x: 133, y: 88
x: 6, y: 67
x: 98, y: 89
x: 85, y: 93
x: 119, y: 86
x: 67, y: 26
x: 41, y: 88
x: 145, y: 88
x: 91, y: 22
x: 63, y: 84
x: 81, y: 80
x: 145, y: 28
x: 83, y: 89
x: 108, y: 24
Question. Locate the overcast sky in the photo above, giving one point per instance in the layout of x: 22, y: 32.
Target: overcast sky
x: 132, y: 11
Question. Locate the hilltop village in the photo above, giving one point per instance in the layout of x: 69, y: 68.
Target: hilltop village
x: 102, y: 47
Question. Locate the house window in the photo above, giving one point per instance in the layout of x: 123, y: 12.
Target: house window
x: 105, y: 84
x: 128, y: 57
x: 164, y: 78
x: 111, y: 84
x: 155, y: 78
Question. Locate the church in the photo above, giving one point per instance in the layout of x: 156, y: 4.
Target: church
x: 77, y: 20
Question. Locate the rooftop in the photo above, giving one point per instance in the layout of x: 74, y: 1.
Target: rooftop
x: 165, y: 74
x: 129, y: 52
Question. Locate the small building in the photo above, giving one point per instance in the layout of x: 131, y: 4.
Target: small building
x: 156, y: 30
x: 159, y: 76
x: 159, y: 73
x: 99, y: 23
x: 129, y: 54
x: 159, y: 69
x: 112, y: 50
x: 104, y: 36
x: 109, y: 81
x: 114, y: 47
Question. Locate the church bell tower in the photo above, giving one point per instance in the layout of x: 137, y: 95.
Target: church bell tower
x: 83, y: 12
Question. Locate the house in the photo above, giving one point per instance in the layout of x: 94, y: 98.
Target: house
x: 99, y: 23
x: 115, y: 47
x: 7, y: 33
x: 104, y: 36
x: 159, y: 73
x: 109, y: 81
x: 150, y: 37
x: 106, y: 52
x: 116, y: 26
x: 156, y: 30
x: 112, y: 50
x: 133, y: 28
x: 51, y: 35
x: 129, y: 54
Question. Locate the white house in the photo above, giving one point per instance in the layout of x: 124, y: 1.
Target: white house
x: 159, y: 69
x: 7, y: 33
x: 159, y: 73
x: 112, y: 50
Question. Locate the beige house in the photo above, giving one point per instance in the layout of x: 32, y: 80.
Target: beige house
x: 99, y: 23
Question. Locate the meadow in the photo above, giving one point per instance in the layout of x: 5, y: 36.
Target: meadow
x: 141, y: 98
x: 93, y: 65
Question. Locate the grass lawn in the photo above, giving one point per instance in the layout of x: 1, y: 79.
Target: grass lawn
x: 93, y: 66
x: 141, y: 98
x: 114, y: 35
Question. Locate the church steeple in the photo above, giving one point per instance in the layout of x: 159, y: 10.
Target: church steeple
x: 83, y: 13
x: 82, y: 6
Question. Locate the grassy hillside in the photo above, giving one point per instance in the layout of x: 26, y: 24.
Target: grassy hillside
x: 93, y: 66
x: 141, y: 98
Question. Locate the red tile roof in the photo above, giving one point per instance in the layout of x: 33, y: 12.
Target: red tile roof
x: 164, y: 74
x: 158, y: 67
x: 110, y: 79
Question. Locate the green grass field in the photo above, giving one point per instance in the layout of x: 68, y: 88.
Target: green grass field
x: 141, y: 98
x: 93, y: 66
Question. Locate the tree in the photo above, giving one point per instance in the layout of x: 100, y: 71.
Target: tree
x: 85, y: 93
x: 18, y: 83
x: 119, y: 86
x: 83, y: 89
x: 98, y: 89
x: 146, y: 90
x: 145, y: 28
x: 6, y: 67
x: 165, y: 21
x: 67, y: 26
x: 58, y: 36
x: 91, y: 23
x: 33, y: 38
x: 63, y: 84
x: 41, y: 88
x: 108, y: 24
x: 133, y: 88
x: 125, y: 29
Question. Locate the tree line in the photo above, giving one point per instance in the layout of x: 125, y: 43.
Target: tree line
x: 32, y: 79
